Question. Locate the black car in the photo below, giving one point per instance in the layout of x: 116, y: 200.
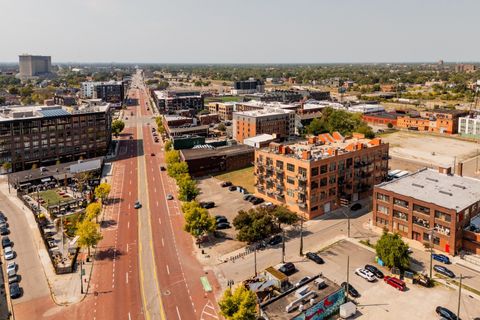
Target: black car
x: 6, y: 242
x: 247, y: 197
x: 207, y: 204
x: 257, y: 201
x: 351, y: 290
x: 226, y: 184
x: 15, y: 291
x: 315, y: 257
x: 251, y: 199
x: 4, y: 231
x: 232, y: 188
x: 162, y: 168
x: 356, y: 206
x: 375, y: 271
x: 445, y: 313
x: 275, y: 240
x: 223, y: 225
x: 287, y: 269
x: 445, y: 271
x: 2, y: 216
x: 221, y: 220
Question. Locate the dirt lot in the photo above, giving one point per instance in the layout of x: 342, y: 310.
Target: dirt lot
x: 227, y: 203
x: 379, y: 300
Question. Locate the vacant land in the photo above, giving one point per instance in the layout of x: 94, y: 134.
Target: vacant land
x: 243, y: 178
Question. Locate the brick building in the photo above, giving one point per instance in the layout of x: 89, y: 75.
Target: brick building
x: 438, y: 121
x: 170, y: 101
x: 429, y: 202
x: 206, y: 119
x: 223, y: 109
x: 316, y: 176
x: 269, y: 120
x: 381, y: 118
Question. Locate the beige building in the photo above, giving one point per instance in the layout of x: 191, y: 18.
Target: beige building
x: 33, y: 66
x: 315, y: 176
x: 224, y: 109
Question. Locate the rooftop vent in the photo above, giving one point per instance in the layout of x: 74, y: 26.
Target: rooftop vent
x: 417, y: 185
x: 459, y: 186
x: 446, y: 192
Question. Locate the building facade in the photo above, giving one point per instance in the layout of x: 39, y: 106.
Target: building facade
x: 469, y: 126
x: 41, y: 135
x: 223, y: 109
x: 248, y: 86
x: 438, y: 121
x: 429, y: 206
x: 34, y: 66
x: 170, y: 101
x: 269, y: 120
x: 319, y: 175
x: 111, y: 91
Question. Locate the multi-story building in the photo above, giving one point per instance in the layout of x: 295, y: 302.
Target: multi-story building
x: 285, y: 96
x: 316, y: 176
x: 169, y: 101
x: 429, y: 206
x: 223, y: 109
x: 34, y: 66
x: 64, y: 100
x: 248, y: 86
x: 269, y: 120
x: 42, y: 135
x: 111, y: 91
x: 438, y: 121
x: 469, y: 126
x: 467, y: 68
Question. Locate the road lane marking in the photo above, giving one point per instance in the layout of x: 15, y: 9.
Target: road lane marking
x: 163, y: 244
x: 126, y: 277
x: 178, y: 313
x: 159, y: 221
x: 157, y: 203
x: 168, y: 269
x: 129, y: 317
x: 127, y: 247
x: 128, y: 225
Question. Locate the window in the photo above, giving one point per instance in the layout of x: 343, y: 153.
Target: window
x: 333, y: 166
x: 332, y: 192
x: 290, y: 192
x: 290, y: 180
x: 441, y: 229
x: 332, y: 180
x: 382, y: 209
x: 400, y: 215
x: 314, y: 171
x: 314, y: 185
x: 436, y: 240
x: 421, y: 222
x: 314, y: 208
x: 402, y: 228
x: 383, y: 197
x: 426, y: 236
x: 401, y: 203
x: 323, y: 169
x: 421, y: 209
x: 280, y: 164
x: 381, y: 221
x: 290, y: 167
x: 443, y: 216
x: 323, y: 182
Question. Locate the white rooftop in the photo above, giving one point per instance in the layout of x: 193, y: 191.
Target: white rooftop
x: 428, y: 185
x: 264, y: 112
x: 259, y: 138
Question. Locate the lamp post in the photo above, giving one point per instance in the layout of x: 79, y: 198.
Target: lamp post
x: 459, y: 296
x: 255, y: 259
x: 348, y: 221
x: 301, y: 235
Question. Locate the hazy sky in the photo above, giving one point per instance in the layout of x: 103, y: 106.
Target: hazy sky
x: 241, y: 31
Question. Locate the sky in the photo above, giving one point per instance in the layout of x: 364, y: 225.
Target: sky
x: 241, y: 31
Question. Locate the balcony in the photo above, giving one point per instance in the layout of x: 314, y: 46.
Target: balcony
x: 278, y: 170
x: 421, y: 222
x: 301, y: 177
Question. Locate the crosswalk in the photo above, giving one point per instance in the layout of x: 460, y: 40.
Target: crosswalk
x: 209, y: 312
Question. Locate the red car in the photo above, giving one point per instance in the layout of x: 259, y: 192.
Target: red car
x: 396, y: 283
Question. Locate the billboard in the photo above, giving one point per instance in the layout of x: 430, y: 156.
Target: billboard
x: 323, y: 308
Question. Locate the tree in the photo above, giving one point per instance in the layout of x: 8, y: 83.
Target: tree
x: 389, y: 125
x: 188, y: 189
x: 13, y: 90
x: 168, y: 145
x: 102, y: 191
x: 88, y: 234
x: 93, y: 211
x: 162, y: 85
x: 197, y: 220
x: 7, y: 166
x: 204, y: 111
x: 393, y: 251
x: 172, y: 156
x: 221, y: 127
x: 117, y: 127
x: 177, y: 169
x: 283, y: 215
x: 254, y: 225
x: 316, y: 127
x: 241, y: 305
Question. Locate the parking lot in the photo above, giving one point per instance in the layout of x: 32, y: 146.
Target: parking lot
x: 379, y: 300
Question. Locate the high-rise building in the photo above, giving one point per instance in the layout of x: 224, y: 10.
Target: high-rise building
x: 248, y: 86
x: 170, y: 101
x: 34, y: 66
x: 111, y: 92
x: 320, y: 174
x: 43, y: 135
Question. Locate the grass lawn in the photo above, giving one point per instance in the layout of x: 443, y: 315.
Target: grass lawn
x: 243, y: 177
x: 223, y: 99
x: 51, y: 197
x: 70, y: 223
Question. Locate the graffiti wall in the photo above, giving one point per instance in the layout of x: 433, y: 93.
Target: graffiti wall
x: 324, y: 308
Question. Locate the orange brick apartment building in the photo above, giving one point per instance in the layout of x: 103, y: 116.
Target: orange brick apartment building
x: 429, y: 201
x: 316, y: 176
x: 438, y: 121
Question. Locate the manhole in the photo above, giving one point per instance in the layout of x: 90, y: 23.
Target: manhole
x: 166, y: 292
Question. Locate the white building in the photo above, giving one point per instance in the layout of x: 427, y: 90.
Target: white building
x: 87, y: 89
x: 366, y: 108
x: 260, y: 140
x: 469, y: 126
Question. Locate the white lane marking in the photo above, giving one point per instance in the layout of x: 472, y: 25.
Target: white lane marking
x: 129, y: 193
x: 163, y: 243
x: 129, y: 317
x: 159, y: 221
x: 157, y: 203
x: 128, y: 225
x: 127, y: 247
x: 126, y: 277
x: 155, y: 190
x: 178, y: 313
x: 168, y: 269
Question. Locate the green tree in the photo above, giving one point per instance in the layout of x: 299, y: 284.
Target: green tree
x: 283, y: 215
x: 177, y: 169
x: 172, y: 156
x: 7, y: 166
x: 221, y: 127
x: 162, y: 85
x: 198, y: 221
x: 13, y: 90
x: 239, y: 305
x: 389, y: 125
x: 188, y: 189
x: 168, y: 145
x: 117, y: 127
x: 93, y: 211
x: 316, y: 127
x: 88, y: 234
x: 393, y: 251
x: 102, y: 191
x: 255, y: 224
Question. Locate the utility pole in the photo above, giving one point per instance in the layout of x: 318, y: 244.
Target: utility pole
x: 431, y: 252
x: 348, y: 283
x: 81, y: 278
x: 301, y: 236
x: 283, y: 246
x: 255, y: 259
x: 459, y: 297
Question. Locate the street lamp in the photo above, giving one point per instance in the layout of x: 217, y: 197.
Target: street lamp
x: 301, y: 236
x: 348, y: 221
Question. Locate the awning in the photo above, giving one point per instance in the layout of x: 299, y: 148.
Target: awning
x: 46, y: 179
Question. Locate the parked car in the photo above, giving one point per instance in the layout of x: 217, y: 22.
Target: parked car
x: 374, y: 270
x: 252, y: 198
x: 4, y: 231
x: 356, y: 206
x: 247, y: 197
x: 6, y: 242
x: 207, y: 204
x: 9, y: 253
x: 394, y: 282
x: 441, y: 257
x: 351, y: 290
x: 302, y: 281
x: 223, y: 225
x: 162, y: 168
x: 221, y: 220
x: 3, y: 224
x: 443, y: 270
x: 365, y: 274
x: 232, y: 188
x: 3, y: 216
x: 257, y: 201
x: 13, y: 279
x: 137, y: 205
x: 287, y: 269
x: 445, y: 313
x: 12, y: 268
x: 275, y: 240
x: 225, y: 184
x: 315, y: 257
x: 220, y: 217
x: 15, y: 291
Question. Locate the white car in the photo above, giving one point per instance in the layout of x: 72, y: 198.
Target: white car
x: 11, y: 268
x: 365, y: 274
x: 9, y: 254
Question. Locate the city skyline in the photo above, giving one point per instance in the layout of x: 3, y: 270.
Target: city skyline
x: 211, y: 32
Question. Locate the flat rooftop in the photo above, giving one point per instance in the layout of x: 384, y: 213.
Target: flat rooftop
x: 268, y: 111
x: 169, y: 117
x: 170, y: 95
x: 428, y: 185
x: 192, y: 154
x: 274, y: 104
x: 8, y: 113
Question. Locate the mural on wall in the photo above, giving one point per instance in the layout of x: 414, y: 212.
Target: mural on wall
x: 324, y: 307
